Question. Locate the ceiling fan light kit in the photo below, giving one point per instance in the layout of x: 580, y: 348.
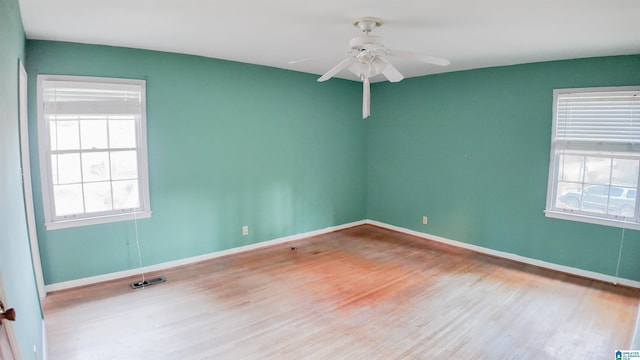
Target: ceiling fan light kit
x: 367, y: 58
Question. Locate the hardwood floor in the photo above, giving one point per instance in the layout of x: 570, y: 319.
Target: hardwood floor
x: 360, y: 293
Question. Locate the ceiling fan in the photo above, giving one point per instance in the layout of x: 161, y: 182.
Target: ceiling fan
x: 367, y: 58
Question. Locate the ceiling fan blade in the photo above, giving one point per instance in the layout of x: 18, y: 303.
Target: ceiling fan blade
x: 390, y: 72
x: 301, y: 60
x: 349, y: 53
x: 419, y: 57
x: 336, y: 69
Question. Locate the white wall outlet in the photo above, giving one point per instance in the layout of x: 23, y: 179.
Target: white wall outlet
x: 424, y: 220
x: 245, y: 230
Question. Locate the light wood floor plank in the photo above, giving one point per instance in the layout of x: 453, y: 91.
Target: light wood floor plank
x: 359, y: 293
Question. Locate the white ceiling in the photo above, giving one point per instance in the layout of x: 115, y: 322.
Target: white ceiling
x: 470, y: 33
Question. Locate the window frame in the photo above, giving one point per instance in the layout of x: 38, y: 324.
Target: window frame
x: 53, y: 222
x: 551, y: 210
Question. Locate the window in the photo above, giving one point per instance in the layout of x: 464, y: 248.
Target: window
x: 93, y: 157
x: 595, y: 156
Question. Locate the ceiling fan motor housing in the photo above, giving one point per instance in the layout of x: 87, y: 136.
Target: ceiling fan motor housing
x: 366, y: 42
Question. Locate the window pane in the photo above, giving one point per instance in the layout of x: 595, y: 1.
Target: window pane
x: 569, y: 196
x: 620, y: 202
x: 628, y: 211
x: 595, y: 199
x: 95, y: 166
x: 53, y: 142
x: 624, y: 172
x: 97, y: 196
x: 125, y: 194
x: 598, y: 190
x: 68, y: 199
x: 93, y: 134
x: 54, y: 169
x: 122, y: 133
x: 124, y: 165
x: 66, y: 135
x: 597, y: 170
x: 615, y: 191
x: 571, y: 168
x: 67, y: 168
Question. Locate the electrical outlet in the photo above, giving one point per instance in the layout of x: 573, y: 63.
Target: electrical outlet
x: 245, y: 230
x: 424, y: 220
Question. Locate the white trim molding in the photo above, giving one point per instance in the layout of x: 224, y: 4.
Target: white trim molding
x: 479, y: 249
x: 191, y: 260
x: 26, y: 180
x: 102, y: 99
x: 609, y: 110
x: 509, y: 256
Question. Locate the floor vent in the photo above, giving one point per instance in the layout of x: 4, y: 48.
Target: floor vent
x: 145, y: 283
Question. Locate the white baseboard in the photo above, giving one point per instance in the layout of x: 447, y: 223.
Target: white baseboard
x: 479, y: 249
x: 510, y: 256
x: 171, y: 264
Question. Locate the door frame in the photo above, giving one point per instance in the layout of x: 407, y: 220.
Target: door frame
x: 26, y: 179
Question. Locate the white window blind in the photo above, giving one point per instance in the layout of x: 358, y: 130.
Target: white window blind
x: 83, y: 98
x: 609, y: 120
x: 93, y: 150
x: 595, y: 156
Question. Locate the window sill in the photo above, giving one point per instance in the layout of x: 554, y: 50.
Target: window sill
x: 592, y: 219
x: 63, y: 224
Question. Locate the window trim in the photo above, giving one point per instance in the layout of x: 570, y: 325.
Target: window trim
x: 628, y: 223
x: 44, y: 146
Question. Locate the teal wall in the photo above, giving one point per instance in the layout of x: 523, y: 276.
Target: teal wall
x: 16, y: 267
x: 230, y: 144
x: 471, y: 151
